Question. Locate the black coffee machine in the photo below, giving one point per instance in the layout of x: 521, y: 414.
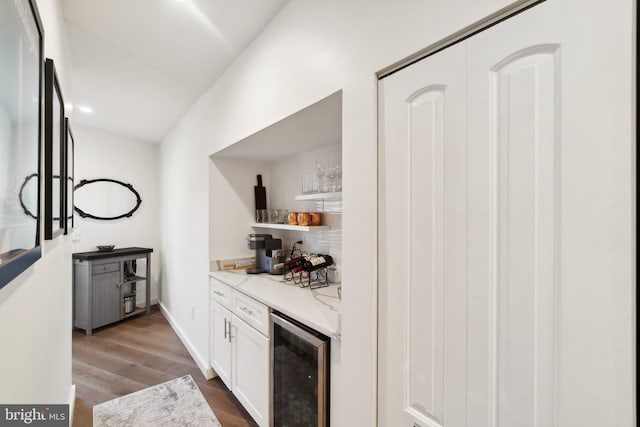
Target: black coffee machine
x: 268, y: 254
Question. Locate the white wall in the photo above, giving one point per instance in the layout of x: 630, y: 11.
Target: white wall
x: 231, y: 205
x: 6, y: 131
x: 185, y: 237
x: 310, y: 50
x: 100, y: 154
x: 35, y: 308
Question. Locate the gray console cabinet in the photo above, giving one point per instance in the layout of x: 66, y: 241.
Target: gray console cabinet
x: 105, y: 290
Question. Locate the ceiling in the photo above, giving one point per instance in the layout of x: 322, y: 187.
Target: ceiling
x: 140, y: 64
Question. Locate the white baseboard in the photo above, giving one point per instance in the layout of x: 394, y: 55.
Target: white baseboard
x: 72, y: 403
x: 206, y: 370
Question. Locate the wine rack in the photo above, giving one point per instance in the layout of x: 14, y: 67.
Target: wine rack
x: 311, y: 277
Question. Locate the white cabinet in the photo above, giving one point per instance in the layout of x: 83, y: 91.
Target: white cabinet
x: 240, y: 346
x: 221, y: 342
x: 250, y: 377
x: 222, y: 293
x: 251, y: 311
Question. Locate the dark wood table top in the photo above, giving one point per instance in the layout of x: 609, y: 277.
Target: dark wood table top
x: 86, y: 256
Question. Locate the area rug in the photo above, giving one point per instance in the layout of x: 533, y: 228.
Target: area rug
x: 177, y: 402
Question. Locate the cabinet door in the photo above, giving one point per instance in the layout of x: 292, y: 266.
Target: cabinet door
x: 506, y: 226
x: 251, y: 370
x: 221, y: 342
x: 422, y: 228
x: 106, y: 303
x: 550, y: 232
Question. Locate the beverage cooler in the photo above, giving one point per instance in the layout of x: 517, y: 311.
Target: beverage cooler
x: 300, y: 369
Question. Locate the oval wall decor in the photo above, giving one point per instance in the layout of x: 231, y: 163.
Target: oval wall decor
x: 107, y: 199
x: 28, y: 186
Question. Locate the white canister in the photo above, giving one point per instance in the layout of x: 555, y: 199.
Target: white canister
x: 128, y: 305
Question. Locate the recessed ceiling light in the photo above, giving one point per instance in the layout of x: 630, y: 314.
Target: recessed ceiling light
x: 85, y: 109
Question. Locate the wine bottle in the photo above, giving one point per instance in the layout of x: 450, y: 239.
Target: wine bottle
x: 294, y: 262
x: 317, y: 262
x: 291, y: 264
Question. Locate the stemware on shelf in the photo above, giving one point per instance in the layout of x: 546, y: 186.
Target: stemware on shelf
x: 330, y: 182
x: 319, y: 185
x: 338, y: 173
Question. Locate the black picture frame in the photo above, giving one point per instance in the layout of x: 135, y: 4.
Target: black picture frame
x: 21, y: 111
x: 69, y: 175
x: 54, y: 153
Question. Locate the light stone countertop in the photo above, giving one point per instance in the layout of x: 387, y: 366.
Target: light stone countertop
x: 316, y: 308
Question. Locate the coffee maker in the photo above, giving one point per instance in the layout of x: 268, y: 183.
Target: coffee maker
x: 269, y: 256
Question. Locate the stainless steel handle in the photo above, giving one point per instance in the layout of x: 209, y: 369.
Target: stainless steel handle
x: 246, y: 310
x: 296, y: 330
x: 220, y: 294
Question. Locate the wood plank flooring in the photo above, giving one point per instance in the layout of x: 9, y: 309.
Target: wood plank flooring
x: 137, y: 353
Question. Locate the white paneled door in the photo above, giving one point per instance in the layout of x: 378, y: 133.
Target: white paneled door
x: 507, y: 226
x: 423, y: 188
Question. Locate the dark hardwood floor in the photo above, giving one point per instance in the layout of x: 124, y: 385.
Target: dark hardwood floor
x: 135, y: 354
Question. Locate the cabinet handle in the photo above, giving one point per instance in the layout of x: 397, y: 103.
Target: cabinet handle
x: 225, y: 328
x: 220, y: 294
x: 246, y: 310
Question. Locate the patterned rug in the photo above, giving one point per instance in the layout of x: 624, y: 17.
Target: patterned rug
x: 177, y: 402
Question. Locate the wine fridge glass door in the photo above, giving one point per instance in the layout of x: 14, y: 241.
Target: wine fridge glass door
x: 300, y: 374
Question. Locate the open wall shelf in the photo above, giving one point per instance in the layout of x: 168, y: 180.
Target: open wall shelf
x: 320, y: 196
x: 290, y: 227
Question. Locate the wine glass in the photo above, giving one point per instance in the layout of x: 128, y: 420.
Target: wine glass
x: 319, y: 174
x: 331, y: 175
